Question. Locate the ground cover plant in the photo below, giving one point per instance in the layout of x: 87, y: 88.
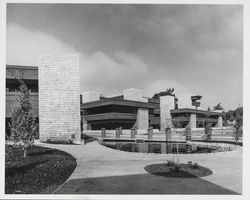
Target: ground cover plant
x: 182, y: 170
x: 41, y: 171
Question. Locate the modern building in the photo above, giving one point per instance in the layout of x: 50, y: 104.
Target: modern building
x: 30, y: 76
x: 127, y: 110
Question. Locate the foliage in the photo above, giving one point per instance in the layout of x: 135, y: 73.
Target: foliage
x: 170, y: 163
x: 23, y: 126
x: 218, y: 107
x: 208, y: 127
x: 238, y: 124
x: 193, y: 165
x: 231, y: 115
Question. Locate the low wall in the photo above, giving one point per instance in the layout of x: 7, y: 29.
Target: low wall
x: 177, y: 134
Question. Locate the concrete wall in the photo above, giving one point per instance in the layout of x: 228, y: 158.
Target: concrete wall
x: 134, y: 95
x: 142, y: 118
x: 192, y: 121
x: 220, y: 122
x: 59, y: 102
x: 89, y: 96
x: 166, y: 104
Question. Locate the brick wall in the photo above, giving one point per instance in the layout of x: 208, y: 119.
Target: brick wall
x: 59, y: 102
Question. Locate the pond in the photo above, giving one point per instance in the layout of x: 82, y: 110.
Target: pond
x: 164, y: 147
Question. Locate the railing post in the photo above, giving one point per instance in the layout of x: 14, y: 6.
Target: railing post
x: 117, y: 133
x: 188, y: 134
x: 133, y: 133
x: 120, y: 130
x: 103, y: 132
x: 188, y: 148
x: 168, y: 134
x: 150, y: 133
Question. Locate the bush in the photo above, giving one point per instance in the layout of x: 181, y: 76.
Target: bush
x: 170, y: 163
x: 57, y: 141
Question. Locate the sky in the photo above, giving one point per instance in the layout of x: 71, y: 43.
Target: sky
x: 195, y: 49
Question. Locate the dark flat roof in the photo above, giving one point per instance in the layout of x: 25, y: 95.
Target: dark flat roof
x: 190, y: 110
x: 105, y: 102
x: 21, y: 67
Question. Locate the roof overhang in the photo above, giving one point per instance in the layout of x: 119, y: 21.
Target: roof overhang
x: 194, y: 111
x: 106, y: 102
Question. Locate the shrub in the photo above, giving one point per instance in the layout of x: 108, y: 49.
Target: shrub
x: 190, y: 163
x: 170, y: 163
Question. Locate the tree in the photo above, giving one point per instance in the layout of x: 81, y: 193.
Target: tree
x: 208, y: 128
x: 238, y: 123
x: 23, y: 126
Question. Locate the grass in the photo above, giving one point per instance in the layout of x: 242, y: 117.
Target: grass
x: 42, y: 171
x: 185, y: 170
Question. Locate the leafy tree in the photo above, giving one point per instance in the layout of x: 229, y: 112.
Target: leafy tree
x: 239, y: 123
x: 208, y: 127
x: 23, y: 126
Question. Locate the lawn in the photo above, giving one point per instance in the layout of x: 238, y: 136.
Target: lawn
x: 42, y: 171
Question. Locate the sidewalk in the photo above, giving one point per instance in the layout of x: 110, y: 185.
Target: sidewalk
x: 102, y: 170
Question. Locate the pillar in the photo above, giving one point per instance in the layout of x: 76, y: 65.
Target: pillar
x: 219, y: 122
x: 150, y: 133
x: 59, y: 102
x: 142, y: 118
x: 192, y: 121
x: 167, y: 103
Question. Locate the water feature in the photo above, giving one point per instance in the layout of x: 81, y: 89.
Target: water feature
x: 164, y: 147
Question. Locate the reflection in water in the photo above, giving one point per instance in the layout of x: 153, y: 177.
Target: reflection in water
x: 160, y: 148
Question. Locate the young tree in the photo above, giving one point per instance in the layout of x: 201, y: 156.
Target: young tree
x: 23, y: 126
x: 238, y: 123
x: 208, y: 129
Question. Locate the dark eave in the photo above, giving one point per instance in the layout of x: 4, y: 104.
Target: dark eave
x: 21, y: 67
x: 110, y: 116
x: 105, y: 102
x: 190, y: 110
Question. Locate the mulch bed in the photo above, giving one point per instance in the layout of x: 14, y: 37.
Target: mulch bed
x: 41, y: 171
x: 185, y: 171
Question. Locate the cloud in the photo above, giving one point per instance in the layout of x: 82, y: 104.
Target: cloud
x: 121, y: 46
x: 24, y: 45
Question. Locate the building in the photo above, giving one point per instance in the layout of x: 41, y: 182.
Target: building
x: 127, y: 110
x: 30, y: 76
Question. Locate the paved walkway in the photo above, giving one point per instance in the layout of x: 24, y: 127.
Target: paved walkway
x: 99, y: 165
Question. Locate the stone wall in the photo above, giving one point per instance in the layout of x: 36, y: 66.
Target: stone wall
x: 166, y: 104
x: 59, y: 97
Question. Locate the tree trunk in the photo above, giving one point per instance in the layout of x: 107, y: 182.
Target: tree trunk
x: 24, y: 152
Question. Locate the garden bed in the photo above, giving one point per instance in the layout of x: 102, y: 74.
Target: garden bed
x: 184, y: 170
x: 41, y: 171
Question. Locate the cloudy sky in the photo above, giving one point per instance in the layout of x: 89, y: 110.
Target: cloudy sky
x: 193, y: 48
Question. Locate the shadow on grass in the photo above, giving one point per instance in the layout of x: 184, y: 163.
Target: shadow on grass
x: 11, y: 171
x: 141, y: 184
x: 42, y: 152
